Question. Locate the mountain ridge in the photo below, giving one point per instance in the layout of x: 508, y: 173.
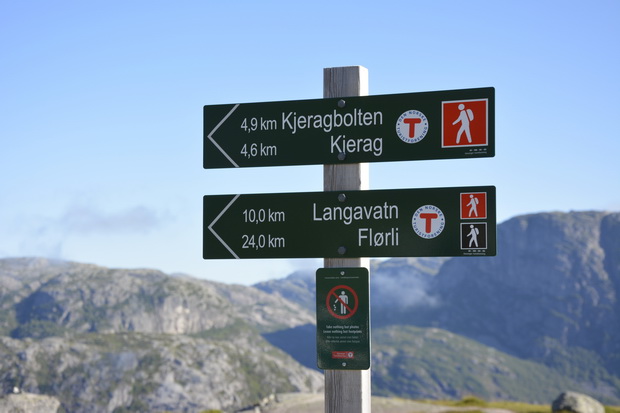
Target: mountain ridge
x: 138, y: 339
x: 550, y: 296
x: 102, y: 339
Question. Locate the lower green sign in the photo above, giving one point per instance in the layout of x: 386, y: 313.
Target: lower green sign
x: 342, y: 318
x: 434, y: 222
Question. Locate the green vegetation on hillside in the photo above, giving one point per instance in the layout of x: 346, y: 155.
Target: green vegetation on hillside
x: 517, y: 407
x: 473, y: 401
x: 436, y: 364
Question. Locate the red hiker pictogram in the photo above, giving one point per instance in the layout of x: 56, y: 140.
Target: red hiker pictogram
x: 473, y: 205
x: 465, y: 123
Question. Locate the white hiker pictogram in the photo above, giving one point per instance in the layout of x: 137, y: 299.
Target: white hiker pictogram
x: 465, y: 116
x: 473, y: 203
x: 343, y: 299
x: 473, y: 234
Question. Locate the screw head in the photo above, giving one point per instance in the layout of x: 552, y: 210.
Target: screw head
x: 341, y: 103
x: 342, y: 250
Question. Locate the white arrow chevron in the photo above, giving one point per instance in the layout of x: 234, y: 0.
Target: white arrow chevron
x: 210, y: 136
x: 219, y: 216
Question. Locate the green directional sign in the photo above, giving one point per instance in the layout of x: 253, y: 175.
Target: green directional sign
x: 413, y: 126
x: 342, y: 318
x: 431, y: 222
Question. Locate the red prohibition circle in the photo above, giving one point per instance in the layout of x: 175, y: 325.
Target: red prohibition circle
x: 352, y: 311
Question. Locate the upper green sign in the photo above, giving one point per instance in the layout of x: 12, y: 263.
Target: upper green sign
x: 435, y: 222
x: 414, y: 126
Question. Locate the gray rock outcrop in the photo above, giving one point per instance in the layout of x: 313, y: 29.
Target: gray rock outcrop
x: 576, y: 403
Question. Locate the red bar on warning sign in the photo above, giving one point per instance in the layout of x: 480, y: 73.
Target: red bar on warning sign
x: 343, y: 354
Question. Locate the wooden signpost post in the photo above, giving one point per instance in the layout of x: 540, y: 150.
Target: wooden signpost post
x: 347, y: 223
x: 346, y: 390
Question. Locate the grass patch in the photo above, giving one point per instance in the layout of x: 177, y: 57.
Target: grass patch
x: 520, y: 407
x: 466, y: 411
x: 471, y: 401
x: 517, y: 407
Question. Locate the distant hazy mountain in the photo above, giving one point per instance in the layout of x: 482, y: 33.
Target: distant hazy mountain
x: 397, y: 283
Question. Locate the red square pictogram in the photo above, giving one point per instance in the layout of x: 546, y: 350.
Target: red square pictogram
x: 473, y: 205
x: 465, y: 123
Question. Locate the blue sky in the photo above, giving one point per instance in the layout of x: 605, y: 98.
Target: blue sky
x: 101, y: 111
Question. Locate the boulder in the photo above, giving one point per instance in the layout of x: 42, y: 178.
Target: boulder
x: 576, y: 403
x: 29, y: 403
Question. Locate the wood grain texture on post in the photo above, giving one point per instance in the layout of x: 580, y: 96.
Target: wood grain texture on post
x: 346, y: 391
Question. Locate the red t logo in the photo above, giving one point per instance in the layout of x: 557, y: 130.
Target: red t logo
x: 429, y: 217
x: 412, y: 122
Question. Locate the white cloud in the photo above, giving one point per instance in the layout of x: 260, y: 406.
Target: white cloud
x: 46, y: 236
x: 87, y: 220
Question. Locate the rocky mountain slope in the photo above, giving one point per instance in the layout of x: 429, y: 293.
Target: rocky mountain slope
x: 102, y: 339
x: 551, y: 296
x: 558, y: 275
x: 88, y: 298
